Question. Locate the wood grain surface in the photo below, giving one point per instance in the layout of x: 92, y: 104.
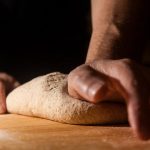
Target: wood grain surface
x: 24, y: 133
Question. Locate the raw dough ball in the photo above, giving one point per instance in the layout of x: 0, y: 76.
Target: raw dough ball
x: 47, y: 97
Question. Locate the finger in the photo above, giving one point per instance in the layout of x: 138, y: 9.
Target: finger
x: 86, y: 83
x: 130, y: 83
x: 16, y: 84
x: 9, y: 81
x: 139, y: 118
x: 2, y: 98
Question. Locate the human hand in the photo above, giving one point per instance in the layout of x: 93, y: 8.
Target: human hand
x: 104, y: 80
x: 7, y: 84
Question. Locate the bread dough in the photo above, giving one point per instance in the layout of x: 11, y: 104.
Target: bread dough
x: 47, y: 97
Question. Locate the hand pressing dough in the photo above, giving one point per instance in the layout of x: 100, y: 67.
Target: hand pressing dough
x: 47, y: 97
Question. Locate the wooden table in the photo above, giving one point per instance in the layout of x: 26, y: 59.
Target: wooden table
x: 25, y: 133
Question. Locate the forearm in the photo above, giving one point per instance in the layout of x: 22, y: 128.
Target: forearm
x: 117, y: 29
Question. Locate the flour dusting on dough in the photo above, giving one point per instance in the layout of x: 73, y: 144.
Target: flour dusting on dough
x: 47, y: 97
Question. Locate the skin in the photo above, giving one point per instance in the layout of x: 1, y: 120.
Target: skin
x: 113, y: 69
x: 103, y: 80
x: 7, y: 84
x: 118, y: 32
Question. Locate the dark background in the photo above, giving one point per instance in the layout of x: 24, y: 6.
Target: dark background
x: 38, y: 37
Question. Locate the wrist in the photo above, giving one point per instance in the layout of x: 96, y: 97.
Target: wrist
x: 102, y: 43
x: 115, y: 44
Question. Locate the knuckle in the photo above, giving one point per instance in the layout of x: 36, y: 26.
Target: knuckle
x: 125, y: 64
x: 6, y: 77
x: 77, y: 72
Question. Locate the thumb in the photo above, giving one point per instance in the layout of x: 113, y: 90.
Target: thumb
x: 2, y: 98
x: 85, y: 83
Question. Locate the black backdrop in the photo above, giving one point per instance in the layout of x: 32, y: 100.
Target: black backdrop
x: 37, y: 37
